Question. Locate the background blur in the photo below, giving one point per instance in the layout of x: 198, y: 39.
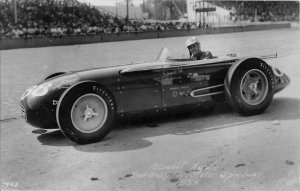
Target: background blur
x: 33, y: 18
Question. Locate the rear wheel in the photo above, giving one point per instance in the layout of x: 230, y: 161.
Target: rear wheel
x: 252, y: 88
x: 85, y: 113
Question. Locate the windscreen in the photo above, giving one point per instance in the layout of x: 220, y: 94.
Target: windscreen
x: 164, y: 54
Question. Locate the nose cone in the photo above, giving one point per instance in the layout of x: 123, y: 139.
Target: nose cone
x: 38, y: 103
x: 281, y: 82
x: 38, y: 115
x: 287, y: 79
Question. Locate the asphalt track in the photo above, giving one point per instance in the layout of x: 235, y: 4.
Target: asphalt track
x: 219, y: 151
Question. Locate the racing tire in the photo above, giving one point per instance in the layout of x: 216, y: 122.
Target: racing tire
x: 252, y: 88
x: 86, y: 112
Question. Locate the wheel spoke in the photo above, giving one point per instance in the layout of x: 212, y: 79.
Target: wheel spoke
x: 253, y: 96
x: 259, y: 92
x: 257, y: 78
x: 255, y: 90
x: 248, y: 77
x: 244, y: 86
x: 95, y: 114
x: 87, y: 107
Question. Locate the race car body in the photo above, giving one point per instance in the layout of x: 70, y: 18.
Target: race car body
x: 84, y: 104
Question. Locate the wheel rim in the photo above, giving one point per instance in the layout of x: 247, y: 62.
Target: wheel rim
x: 89, y: 113
x: 254, y: 87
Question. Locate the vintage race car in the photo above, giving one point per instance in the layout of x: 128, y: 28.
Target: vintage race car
x: 84, y: 104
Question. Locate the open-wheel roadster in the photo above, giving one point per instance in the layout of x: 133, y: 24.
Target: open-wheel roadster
x: 84, y: 104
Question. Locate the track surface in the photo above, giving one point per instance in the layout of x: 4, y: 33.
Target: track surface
x: 220, y: 151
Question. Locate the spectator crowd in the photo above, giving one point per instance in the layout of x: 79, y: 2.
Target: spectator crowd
x: 262, y: 11
x: 70, y: 17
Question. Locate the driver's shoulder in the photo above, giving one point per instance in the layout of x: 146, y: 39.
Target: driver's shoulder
x: 207, y: 55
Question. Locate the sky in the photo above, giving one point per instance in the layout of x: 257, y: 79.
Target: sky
x: 109, y: 2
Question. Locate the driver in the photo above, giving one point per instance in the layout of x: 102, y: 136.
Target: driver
x: 193, y: 45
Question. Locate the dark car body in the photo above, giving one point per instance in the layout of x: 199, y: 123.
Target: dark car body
x: 160, y: 85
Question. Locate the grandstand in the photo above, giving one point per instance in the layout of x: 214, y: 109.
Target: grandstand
x: 70, y: 17
x: 261, y: 11
x: 121, y: 11
x: 220, y: 13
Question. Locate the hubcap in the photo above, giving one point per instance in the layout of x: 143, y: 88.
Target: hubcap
x: 254, y: 87
x: 89, y: 113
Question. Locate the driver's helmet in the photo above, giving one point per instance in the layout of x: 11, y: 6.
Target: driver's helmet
x: 191, y: 40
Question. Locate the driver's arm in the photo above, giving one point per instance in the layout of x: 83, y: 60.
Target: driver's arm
x: 207, y: 55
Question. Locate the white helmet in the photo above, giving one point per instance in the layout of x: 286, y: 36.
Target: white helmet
x: 191, y: 40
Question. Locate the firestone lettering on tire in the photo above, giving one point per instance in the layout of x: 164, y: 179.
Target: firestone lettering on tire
x: 108, y: 98
x: 269, y: 72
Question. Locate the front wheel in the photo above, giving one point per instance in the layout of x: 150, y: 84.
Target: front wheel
x: 252, y: 88
x: 85, y: 113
